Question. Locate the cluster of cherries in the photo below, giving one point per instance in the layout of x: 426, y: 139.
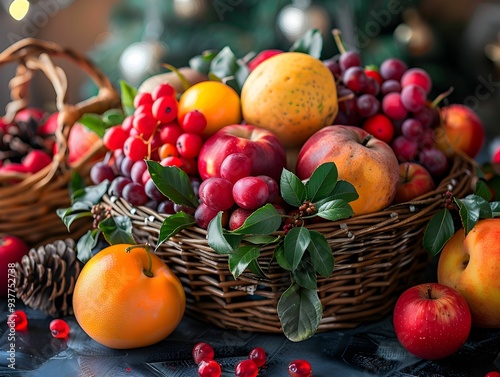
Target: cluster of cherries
x: 152, y: 132
x: 59, y: 328
x: 203, y: 355
x: 390, y: 102
x: 236, y: 190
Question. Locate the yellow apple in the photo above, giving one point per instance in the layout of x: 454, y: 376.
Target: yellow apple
x: 471, y: 265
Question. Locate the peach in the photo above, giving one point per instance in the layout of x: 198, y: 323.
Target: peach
x: 368, y: 163
x: 470, y: 265
x: 463, y: 131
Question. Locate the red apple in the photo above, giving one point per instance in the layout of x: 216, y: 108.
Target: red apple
x: 463, y: 131
x: 414, y: 181
x: 50, y: 125
x: 262, y: 56
x: 265, y: 150
x: 12, y: 250
x: 366, y: 162
x: 36, y: 160
x: 470, y: 265
x: 432, y: 320
x: 80, y: 141
x: 28, y: 113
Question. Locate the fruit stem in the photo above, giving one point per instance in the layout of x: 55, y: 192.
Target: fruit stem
x: 347, y: 97
x: 441, y: 97
x: 366, y: 140
x: 338, y: 41
x: 429, y: 292
x: 145, y: 246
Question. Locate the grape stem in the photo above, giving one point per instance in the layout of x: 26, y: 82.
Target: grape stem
x: 338, y: 41
x: 147, y: 271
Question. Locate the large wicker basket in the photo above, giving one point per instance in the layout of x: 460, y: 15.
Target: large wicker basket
x: 377, y: 256
x: 28, y: 208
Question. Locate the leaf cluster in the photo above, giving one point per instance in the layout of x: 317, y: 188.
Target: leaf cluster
x: 303, y: 252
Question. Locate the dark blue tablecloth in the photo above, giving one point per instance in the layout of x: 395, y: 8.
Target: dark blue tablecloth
x: 369, y: 350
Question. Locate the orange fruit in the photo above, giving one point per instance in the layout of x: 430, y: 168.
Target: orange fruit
x: 117, y: 305
x: 217, y: 101
x: 291, y: 94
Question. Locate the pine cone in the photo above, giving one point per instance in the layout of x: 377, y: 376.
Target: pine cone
x: 46, y: 277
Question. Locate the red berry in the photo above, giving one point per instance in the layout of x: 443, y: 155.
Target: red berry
x: 209, y: 368
x: 135, y: 148
x: 59, y: 328
x: 165, y: 109
x: 18, y: 320
x: 128, y: 123
x: 258, y: 355
x: 171, y: 161
x: 246, y: 368
x: 145, y: 124
x: 194, y: 121
x: 299, y: 368
x: 115, y: 137
x: 374, y: 73
x: 379, y: 126
x: 163, y: 90
x: 142, y: 99
x: 189, y: 145
x: 202, y: 352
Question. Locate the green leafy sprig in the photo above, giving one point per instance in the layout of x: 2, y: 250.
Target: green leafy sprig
x: 303, y: 252
x: 468, y: 210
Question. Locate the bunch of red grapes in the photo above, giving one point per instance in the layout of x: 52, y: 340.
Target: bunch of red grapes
x: 392, y: 104
x: 152, y: 132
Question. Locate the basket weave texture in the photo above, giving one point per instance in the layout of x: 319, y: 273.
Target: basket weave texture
x: 376, y: 255
x: 28, y: 208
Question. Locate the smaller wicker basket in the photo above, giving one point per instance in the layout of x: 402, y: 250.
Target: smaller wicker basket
x: 28, y: 208
x: 377, y: 256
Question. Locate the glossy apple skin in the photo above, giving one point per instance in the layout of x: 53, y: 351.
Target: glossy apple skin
x: 12, y: 249
x: 414, y: 181
x: 262, y: 56
x: 431, y: 328
x: 370, y: 166
x: 264, y: 149
x: 471, y: 265
x: 464, y: 130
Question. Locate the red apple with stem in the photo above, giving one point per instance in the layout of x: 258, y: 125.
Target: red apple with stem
x: 262, y: 56
x: 12, y: 250
x: 263, y: 147
x: 414, y: 181
x: 432, y: 320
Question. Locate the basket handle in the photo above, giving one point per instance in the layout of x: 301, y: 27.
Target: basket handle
x: 33, y: 54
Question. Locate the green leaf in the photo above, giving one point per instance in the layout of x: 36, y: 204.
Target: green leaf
x: 117, y: 229
x: 173, y: 182
x: 264, y: 220
x: 174, y: 224
x: 113, y: 117
x: 261, y: 239
x: 299, y: 311
x: 201, y: 63
x: 86, y: 244
x: 218, y: 240
x: 91, y: 194
x: 304, y: 275
x: 70, y: 218
x: 279, y: 254
x: 241, y: 258
x: 471, y: 209
x: 438, y: 231
x: 94, y: 123
x: 483, y: 190
x: 311, y: 43
x: 495, y: 209
x: 128, y: 94
x: 76, y: 183
x: 224, y: 64
x: 322, y: 182
x: 293, y: 191
x: 296, y: 242
x: 344, y: 190
x: 255, y: 268
x: 334, y: 210
x: 321, y: 254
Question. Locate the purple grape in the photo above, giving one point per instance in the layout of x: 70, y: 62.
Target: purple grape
x: 117, y: 185
x: 100, y: 172
x: 367, y: 105
x: 392, y: 69
x: 134, y: 193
